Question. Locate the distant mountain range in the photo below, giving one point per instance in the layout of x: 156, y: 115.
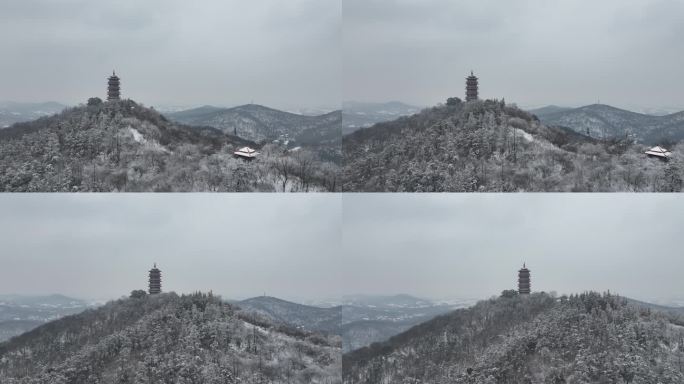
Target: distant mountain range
x: 19, y: 314
x: 586, y: 338
x: 168, y: 338
x: 297, y: 315
x: 357, y: 115
x: 259, y: 123
x: 14, y: 112
x: 603, y: 121
x: 359, y: 319
x: 367, y: 319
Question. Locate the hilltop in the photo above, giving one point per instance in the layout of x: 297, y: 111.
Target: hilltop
x: 490, y: 146
x: 124, y: 146
x: 586, y: 338
x: 169, y: 338
x: 604, y: 121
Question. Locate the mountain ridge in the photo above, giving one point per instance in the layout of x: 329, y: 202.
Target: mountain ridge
x: 263, y: 120
x: 605, y: 121
x: 297, y: 315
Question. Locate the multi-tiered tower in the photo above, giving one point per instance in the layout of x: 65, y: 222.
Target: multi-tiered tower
x: 113, y: 87
x: 155, y: 280
x: 524, y: 281
x: 471, y: 87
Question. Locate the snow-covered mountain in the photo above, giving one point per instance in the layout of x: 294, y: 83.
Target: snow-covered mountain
x: 359, y: 319
x: 168, y: 338
x: 367, y: 319
x: 14, y: 112
x: 489, y: 146
x: 538, y: 338
x: 549, y: 109
x: 124, y: 146
x: 259, y: 123
x: 296, y: 315
x: 603, y: 121
x: 357, y: 115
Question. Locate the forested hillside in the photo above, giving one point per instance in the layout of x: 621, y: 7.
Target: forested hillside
x: 490, y: 146
x: 538, y: 338
x: 123, y: 146
x: 169, y: 339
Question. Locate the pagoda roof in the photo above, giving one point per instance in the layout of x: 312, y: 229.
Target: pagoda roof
x: 658, y: 151
x: 246, y: 152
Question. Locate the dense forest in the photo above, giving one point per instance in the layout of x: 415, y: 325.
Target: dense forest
x: 169, y: 339
x: 490, y: 146
x: 538, y: 338
x: 123, y: 146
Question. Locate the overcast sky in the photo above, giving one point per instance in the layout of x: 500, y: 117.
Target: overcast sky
x: 279, y: 53
x: 533, y: 52
x: 239, y: 246
x: 308, y: 247
x: 472, y: 246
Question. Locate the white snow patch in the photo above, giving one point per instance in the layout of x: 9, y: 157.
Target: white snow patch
x: 524, y: 135
x: 137, y: 136
x: 150, y: 144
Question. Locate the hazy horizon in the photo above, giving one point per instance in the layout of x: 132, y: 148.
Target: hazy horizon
x: 281, y: 54
x: 532, y: 53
